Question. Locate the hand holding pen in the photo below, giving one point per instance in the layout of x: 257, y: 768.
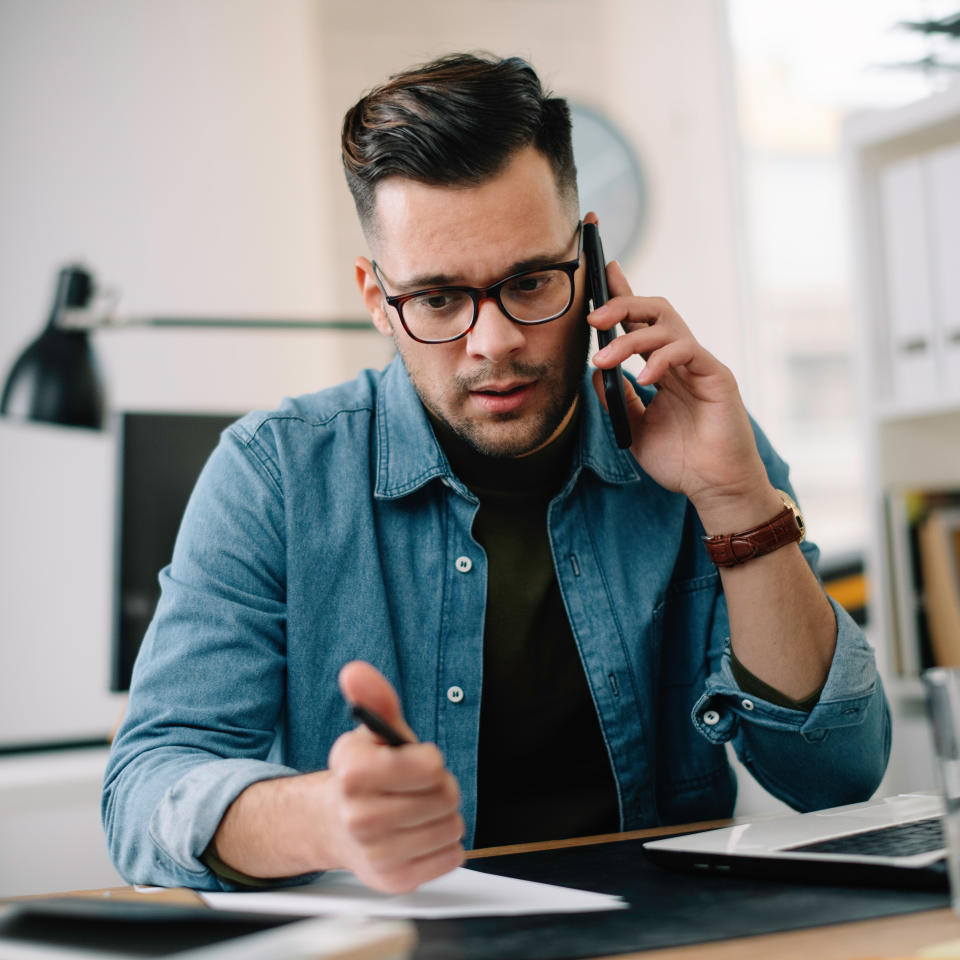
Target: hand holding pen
x: 376, y: 724
x: 386, y: 808
x: 393, y: 803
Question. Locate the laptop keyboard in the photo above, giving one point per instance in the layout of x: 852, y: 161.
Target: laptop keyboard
x: 902, y: 840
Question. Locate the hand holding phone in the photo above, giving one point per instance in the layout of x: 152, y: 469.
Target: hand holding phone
x: 598, y: 295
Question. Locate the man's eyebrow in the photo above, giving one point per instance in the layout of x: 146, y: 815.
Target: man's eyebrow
x: 427, y: 281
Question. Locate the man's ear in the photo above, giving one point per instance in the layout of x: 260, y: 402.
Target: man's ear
x: 372, y: 297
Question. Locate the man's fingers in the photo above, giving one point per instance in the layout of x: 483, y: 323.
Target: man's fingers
x: 633, y: 311
x: 391, y: 851
x: 640, y: 342
x: 413, y: 874
x: 661, y: 361
x: 647, y: 341
x: 635, y: 406
x: 362, y: 766
x: 371, y: 818
x: 361, y: 683
x: 617, y: 282
x: 398, y: 806
x: 598, y: 386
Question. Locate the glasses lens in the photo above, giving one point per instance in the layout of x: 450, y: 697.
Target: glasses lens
x: 439, y: 314
x: 538, y: 295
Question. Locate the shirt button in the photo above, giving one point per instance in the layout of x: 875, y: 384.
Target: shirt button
x: 746, y: 704
x: 464, y: 564
x: 711, y: 718
x: 455, y: 693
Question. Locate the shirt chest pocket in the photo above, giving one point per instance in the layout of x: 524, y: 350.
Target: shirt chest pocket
x: 682, y: 624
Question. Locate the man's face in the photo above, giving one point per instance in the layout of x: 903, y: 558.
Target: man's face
x: 505, y: 388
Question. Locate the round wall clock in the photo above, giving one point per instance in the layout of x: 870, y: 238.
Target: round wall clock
x: 610, y: 179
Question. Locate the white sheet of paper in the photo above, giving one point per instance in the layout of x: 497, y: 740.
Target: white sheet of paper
x: 462, y: 893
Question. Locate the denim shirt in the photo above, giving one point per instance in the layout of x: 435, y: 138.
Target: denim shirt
x: 333, y: 529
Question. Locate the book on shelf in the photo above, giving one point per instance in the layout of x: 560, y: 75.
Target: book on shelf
x: 939, y: 538
x: 923, y: 576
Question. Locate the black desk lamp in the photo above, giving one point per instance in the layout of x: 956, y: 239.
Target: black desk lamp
x: 55, y: 378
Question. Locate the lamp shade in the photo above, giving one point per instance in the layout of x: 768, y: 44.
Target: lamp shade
x: 55, y: 378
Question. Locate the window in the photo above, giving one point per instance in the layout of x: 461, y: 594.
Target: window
x: 798, y: 69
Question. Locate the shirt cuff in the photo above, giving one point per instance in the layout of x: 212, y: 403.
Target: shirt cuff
x: 750, y: 683
x: 851, y: 685
x: 210, y: 858
x: 187, y: 817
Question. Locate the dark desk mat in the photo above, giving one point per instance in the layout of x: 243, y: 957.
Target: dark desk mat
x: 666, y: 909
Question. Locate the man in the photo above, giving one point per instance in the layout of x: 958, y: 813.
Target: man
x: 458, y: 540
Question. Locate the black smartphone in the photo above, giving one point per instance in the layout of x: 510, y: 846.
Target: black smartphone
x: 598, y: 295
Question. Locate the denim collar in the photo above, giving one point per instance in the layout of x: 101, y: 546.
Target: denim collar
x: 409, y: 455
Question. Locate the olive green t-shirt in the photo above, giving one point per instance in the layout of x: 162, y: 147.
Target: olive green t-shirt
x: 543, y: 768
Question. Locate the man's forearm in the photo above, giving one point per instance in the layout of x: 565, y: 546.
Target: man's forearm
x: 782, y: 626
x: 276, y: 828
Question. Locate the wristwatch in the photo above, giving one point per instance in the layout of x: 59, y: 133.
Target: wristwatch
x: 730, y: 549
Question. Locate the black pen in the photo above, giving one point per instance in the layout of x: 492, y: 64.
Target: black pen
x: 376, y: 723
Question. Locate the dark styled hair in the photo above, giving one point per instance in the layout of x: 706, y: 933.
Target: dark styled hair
x: 454, y: 121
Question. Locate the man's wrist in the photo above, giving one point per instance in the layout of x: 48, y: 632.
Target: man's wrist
x: 753, y: 686
x: 276, y: 828
x: 732, y: 513
x: 225, y: 872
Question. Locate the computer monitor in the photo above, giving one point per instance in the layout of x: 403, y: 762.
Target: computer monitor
x: 160, y: 457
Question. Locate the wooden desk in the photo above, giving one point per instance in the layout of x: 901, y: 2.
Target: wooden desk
x: 888, y: 937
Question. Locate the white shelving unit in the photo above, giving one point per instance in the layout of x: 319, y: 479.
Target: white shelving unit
x: 903, y: 168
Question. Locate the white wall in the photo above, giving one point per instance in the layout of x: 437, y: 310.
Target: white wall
x: 170, y: 145
x: 187, y: 150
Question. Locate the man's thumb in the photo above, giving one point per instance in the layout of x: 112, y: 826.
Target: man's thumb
x: 361, y: 683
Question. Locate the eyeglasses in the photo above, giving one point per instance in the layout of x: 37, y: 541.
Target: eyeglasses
x: 443, y: 314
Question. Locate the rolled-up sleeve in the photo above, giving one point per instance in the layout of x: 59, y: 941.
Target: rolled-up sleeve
x: 833, y: 754
x: 208, y: 685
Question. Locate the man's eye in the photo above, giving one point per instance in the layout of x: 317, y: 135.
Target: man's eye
x: 531, y: 283
x: 435, y: 301
x: 438, y: 301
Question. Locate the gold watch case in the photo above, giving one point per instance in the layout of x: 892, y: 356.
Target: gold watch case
x: 788, y: 501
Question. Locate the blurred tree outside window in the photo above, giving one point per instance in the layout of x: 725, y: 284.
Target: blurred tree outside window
x: 799, y: 68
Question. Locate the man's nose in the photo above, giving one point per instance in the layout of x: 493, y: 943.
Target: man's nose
x: 494, y: 336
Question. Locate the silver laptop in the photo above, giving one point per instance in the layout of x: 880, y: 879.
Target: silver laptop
x: 894, y: 841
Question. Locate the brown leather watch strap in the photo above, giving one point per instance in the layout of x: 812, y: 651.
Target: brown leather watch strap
x: 729, y: 549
